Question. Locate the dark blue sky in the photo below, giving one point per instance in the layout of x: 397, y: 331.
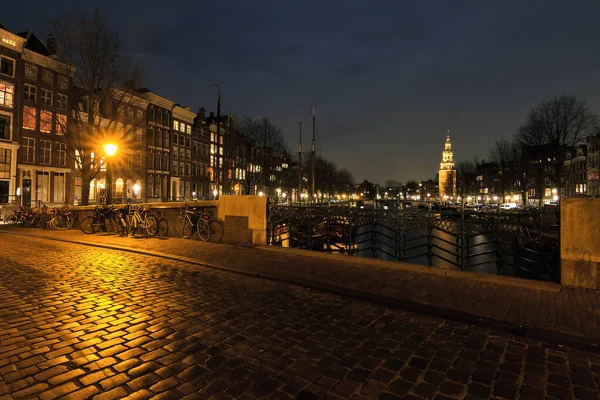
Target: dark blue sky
x: 387, y: 78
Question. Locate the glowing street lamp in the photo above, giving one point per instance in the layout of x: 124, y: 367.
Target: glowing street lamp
x: 215, y: 193
x: 110, y: 149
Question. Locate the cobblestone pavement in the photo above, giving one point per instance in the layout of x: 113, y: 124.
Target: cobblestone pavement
x: 79, y: 322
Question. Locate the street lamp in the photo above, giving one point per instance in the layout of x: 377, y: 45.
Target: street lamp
x: 215, y: 192
x: 110, y: 150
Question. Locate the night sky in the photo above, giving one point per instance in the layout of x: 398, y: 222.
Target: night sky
x: 387, y: 78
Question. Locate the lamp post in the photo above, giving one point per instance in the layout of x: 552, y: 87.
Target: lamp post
x: 110, y: 150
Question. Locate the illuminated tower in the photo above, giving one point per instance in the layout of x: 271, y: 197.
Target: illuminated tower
x: 447, y: 174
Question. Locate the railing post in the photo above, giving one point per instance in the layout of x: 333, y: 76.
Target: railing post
x: 542, y: 242
x: 429, y: 237
x: 328, y: 227
x: 499, y: 242
x: 374, y: 233
x: 400, y: 236
x: 463, y: 238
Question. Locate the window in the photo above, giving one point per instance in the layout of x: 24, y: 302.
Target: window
x: 29, y: 92
x: 175, y: 152
x: 166, y: 119
x: 181, y: 139
x: 181, y: 169
x: 213, y: 148
x: 221, y: 150
x: 176, y: 125
x: 47, y: 77
x: 45, y: 121
x: 221, y: 140
x: 548, y: 192
x: 138, y: 114
x: 182, y: 153
x: 130, y: 113
x: 212, y: 137
x: 7, y: 66
x: 47, y: 97
x: 61, y: 153
x: 59, y: 187
x: 188, y: 154
x: 188, y: 169
x: 7, y: 94
x: 63, y: 83
x: 4, y: 127
x: 61, y: 124
x: 61, y: 101
x: 43, y: 186
x: 175, y: 138
x: 31, y: 72
x: 5, y: 155
x: 188, y: 142
x: 157, y: 159
x: 188, y: 129
x: 166, y: 162
x: 77, y: 159
x: 166, y: 140
x: 175, y: 167
x: 29, y: 117
x: 46, y: 151
x: 28, y: 149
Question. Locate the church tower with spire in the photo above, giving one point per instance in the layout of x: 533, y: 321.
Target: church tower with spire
x: 447, y: 175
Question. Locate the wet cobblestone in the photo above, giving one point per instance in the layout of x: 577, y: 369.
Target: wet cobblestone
x: 80, y: 322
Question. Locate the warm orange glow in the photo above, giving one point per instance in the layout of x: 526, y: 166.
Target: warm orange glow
x: 110, y: 149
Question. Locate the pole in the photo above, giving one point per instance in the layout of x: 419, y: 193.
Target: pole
x: 312, y: 194
x: 217, y: 155
x: 300, y: 166
x: 108, y: 182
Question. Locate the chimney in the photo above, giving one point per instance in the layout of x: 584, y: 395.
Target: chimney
x: 51, y: 44
x: 202, y: 114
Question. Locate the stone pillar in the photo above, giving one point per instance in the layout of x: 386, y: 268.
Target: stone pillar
x: 580, y: 242
x: 244, y: 217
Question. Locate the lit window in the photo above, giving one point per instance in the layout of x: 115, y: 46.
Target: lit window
x: 176, y: 125
x: 31, y: 72
x: 188, y: 129
x: 47, y: 97
x: 221, y: 140
x: 9, y: 42
x: 7, y: 66
x: 212, y: 137
x: 29, y: 92
x: 29, y: 117
x: 77, y: 159
x: 61, y: 124
x: 7, y: 94
x: 45, y: 121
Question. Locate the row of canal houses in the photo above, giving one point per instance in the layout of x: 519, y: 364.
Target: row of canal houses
x: 165, y: 150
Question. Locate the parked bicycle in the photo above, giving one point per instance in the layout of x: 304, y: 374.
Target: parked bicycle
x: 104, y: 219
x: 192, y: 220
x: 62, y: 219
x: 140, y: 220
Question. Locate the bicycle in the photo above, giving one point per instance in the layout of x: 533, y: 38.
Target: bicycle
x: 140, y: 220
x: 104, y: 218
x: 62, y: 219
x: 190, y: 220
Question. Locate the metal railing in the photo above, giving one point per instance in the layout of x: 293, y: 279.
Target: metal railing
x: 523, y: 244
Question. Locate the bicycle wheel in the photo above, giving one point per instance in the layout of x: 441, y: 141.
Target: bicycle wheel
x: 151, y: 225
x: 89, y: 225
x: 183, y: 226
x: 59, y: 222
x: 203, y: 229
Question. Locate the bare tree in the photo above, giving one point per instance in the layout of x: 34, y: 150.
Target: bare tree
x: 560, y: 123
x: 501, y: 154
x: 103, y: 83
x: 465, y: 176
x: 268, y: 144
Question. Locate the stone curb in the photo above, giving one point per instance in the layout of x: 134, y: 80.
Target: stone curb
x: 567, y: 339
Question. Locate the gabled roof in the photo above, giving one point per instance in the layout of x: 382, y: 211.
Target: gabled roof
x: 34, y: 44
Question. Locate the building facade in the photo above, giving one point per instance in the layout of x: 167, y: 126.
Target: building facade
x: 11, y: 50
x: 447, y: 173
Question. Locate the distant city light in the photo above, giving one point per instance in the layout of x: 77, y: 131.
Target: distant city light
x: 259, y: 193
